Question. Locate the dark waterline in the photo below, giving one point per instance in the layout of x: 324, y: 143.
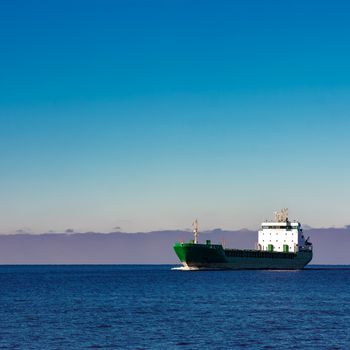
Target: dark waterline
x: 153, y: 307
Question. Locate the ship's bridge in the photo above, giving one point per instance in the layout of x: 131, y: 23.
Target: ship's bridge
x: 282, y: 235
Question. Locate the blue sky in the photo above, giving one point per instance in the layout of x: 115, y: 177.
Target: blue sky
x: 147, y: 114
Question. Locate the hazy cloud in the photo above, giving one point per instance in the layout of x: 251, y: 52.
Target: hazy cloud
x: 23, y: 230
x: 331, y: 246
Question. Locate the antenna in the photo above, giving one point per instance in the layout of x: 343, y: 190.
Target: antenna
x: 282, y: 215
x: 195, y: 231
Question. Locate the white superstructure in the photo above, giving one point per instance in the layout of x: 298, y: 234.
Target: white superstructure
x: 282, y: 235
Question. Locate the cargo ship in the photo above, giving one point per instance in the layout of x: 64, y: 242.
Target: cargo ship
x: 281, y: 246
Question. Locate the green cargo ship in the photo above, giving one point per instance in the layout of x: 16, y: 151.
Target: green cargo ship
x: 281, y: 246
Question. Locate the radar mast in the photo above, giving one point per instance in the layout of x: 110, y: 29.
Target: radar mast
x: 282, y: 215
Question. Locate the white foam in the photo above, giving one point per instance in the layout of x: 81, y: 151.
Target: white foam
x: 185, y: 268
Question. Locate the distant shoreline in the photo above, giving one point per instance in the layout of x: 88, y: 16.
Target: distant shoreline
x: 309, y: 267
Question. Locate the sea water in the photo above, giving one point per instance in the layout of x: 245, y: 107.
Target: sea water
x: 155, y: 307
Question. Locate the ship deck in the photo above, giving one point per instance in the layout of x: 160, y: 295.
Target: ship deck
x: 247, y: 253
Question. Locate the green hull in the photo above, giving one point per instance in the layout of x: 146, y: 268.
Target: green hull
x: 214, y: 256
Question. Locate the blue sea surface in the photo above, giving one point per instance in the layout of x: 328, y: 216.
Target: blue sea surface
x: 154, y: 307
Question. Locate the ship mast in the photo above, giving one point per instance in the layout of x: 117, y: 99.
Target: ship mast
x: 195, y: 231
x: 282, y: 215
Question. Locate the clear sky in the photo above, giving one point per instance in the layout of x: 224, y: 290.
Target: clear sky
x: 147, y: 114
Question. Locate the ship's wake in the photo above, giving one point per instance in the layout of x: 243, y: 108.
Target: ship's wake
x: 192, y: 268
x: 185, y: 268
